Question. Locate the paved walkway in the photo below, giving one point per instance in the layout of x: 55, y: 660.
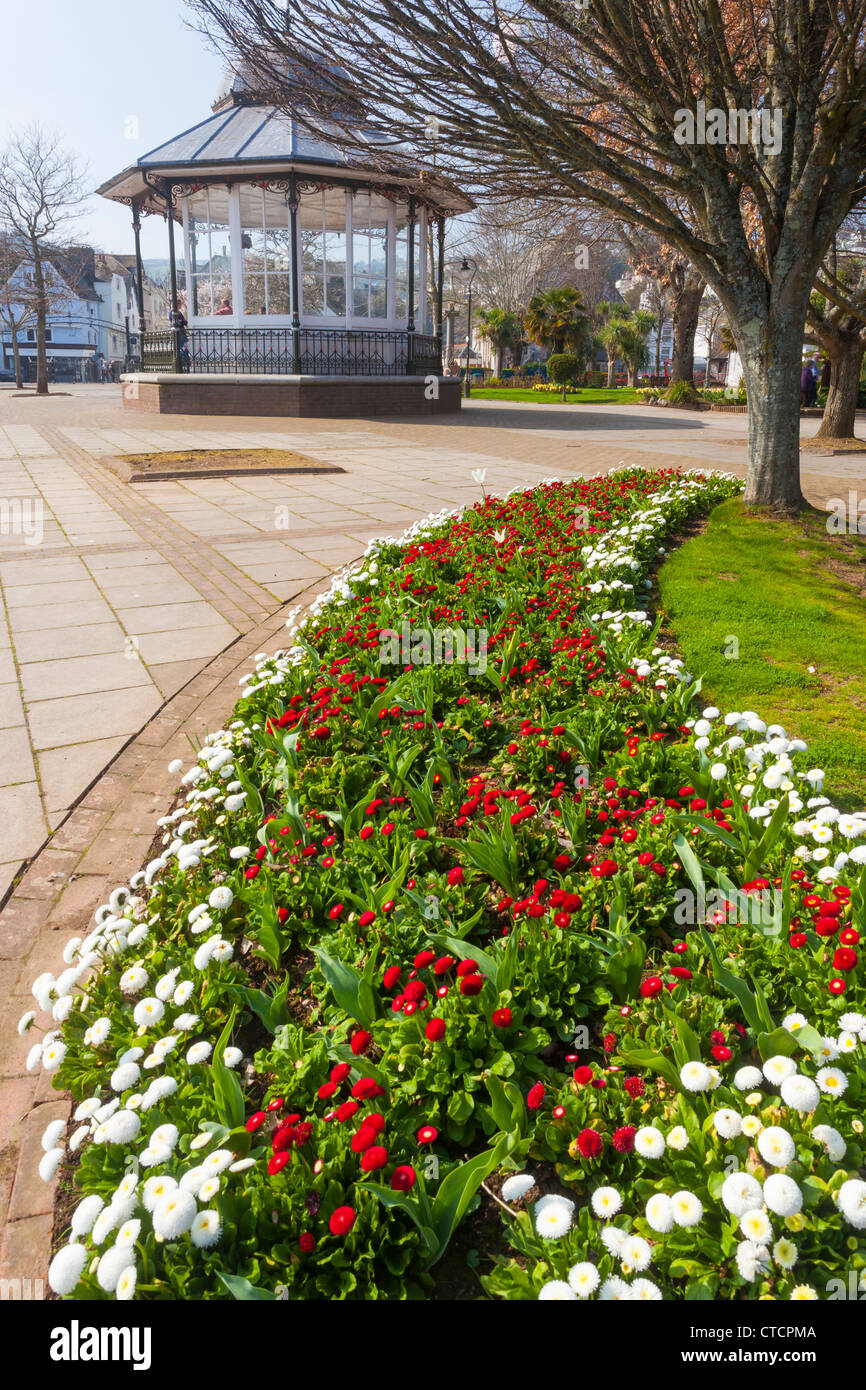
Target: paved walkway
x: 130, y: 611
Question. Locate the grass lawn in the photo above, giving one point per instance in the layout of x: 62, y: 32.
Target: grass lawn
x: 587, y: 395
x: 793, y: 598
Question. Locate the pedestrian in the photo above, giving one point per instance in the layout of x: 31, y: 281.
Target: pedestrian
x: 178, y: 323
x: 813, y: 382
x: 805, y: 383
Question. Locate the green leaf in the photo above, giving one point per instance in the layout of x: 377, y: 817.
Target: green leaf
x: 691, y: 864
x: 778, y: 1043
x: 242, y: 1288
x: 251, y: 792
x: 710, y: 828
x: 644, y: 1057
x: 271, y: 1009
x: 351, y: 991
x: 687, y: 1047
x: 507, y: 1104
x: 733, y: 984
x: 403, y: 1202
x: 456, y: 1192
x: 228, y: 1094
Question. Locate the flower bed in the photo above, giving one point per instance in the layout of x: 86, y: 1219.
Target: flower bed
x: 437, y: 909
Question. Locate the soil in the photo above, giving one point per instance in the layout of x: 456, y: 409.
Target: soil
x: 212, y: 463
x: 811, y: 444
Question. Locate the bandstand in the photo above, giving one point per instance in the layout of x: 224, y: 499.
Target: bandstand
x: 311, y: 280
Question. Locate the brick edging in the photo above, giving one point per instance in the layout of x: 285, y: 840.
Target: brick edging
x: 93, y: 856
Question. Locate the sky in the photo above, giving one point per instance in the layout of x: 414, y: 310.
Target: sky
x: 114, y: 78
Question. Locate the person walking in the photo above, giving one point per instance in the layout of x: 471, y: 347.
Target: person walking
x: 805, y: 383
x: 178, y: 323
x: 813, y: 382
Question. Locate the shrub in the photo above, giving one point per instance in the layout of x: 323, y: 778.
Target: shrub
x: 563, y: 368
x: 681, y: 393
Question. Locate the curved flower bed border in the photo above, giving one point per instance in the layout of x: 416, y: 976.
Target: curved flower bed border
x: 410, y: 930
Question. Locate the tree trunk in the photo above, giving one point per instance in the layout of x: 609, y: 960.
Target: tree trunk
x: 611, y: 372
x: 773, y: 388
x: 500, y: 355
x: 841, y: 407
x: 41, y: 318
x: 686, y: 308
x: 16, y: 360
x: 632, y: 374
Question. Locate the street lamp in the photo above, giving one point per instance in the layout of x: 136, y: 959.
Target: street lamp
x: 468, y: 264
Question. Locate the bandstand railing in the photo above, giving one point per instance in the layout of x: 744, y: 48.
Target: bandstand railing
x: 276, y: 351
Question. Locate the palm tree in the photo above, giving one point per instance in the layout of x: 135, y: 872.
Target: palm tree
x: 502, y: 330
x: 614, y: 338
x: 635, y: 349
x: 557, y: 319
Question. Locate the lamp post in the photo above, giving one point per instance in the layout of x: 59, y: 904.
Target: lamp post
x: 467, y: 265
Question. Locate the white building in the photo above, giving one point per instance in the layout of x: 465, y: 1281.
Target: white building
x: 72, y: 330
x: 93, y: 314
x: 118, y: 319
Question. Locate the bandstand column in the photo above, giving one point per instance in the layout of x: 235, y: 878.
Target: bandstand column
x: 139, y: 275
x: 172, y: 273
x: 294, y: 202
x: 410, y: 345
x: 440, y: 285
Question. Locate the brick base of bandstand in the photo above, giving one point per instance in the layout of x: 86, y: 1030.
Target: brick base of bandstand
x: 199, y: 393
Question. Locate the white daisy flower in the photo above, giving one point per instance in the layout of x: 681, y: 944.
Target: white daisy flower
x: 553, y: 1216
x: 741, y: 1193
x: 85, y: 1214
x: 660, y: 1213
x: 777, y: 1069
x: 583, y: 1279
x: 793, y: 1022
x: 66, y: 1268
x: 51, y: 1134
x: 635, y: 1253
x: 649, y: 1142
x: 782, y: 1195
x: 52, y: 1056
x: 612, y: 1238
x: 832, y: 1081
x: 776, y: 1146
x: 148, y: 1012
x: 645, y: 1291
x: 752, y: 1260
x: 678, y: 1138
x: 128, y: 1233
x: 832, y: 1141
x: 124, y: 1289
x: 852, y: 1202
x: 49, y: 1163
x: 174, y: 1214
x: 785, y: 1253
x: 695, y: 1076
x: 133, y: 980
x: 801, y: 1093
x: 728, y: 1124
x: 614, y: 1290
x: 606, y: 1201
x: 687, y: 1209
x: 124, y: 1077
x: 111, y: 1266
x: 155, y: 1189
x: 206, y: 1229
x: 556, y: 1291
